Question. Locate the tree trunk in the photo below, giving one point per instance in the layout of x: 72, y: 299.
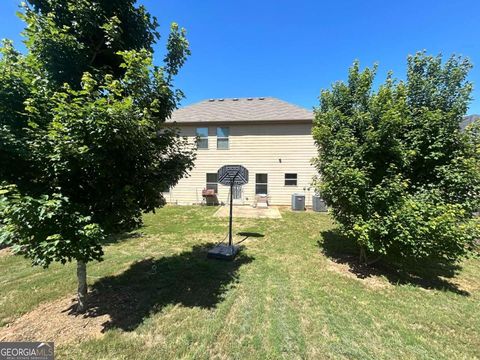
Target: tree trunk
x: 364, y: 260
x: 363, y: 256
x: 82, y: 286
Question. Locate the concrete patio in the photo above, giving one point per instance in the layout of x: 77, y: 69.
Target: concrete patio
x: 245, y: 211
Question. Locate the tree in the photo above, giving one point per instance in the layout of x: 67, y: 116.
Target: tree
x: 401, y: 177
x: 83, y: 148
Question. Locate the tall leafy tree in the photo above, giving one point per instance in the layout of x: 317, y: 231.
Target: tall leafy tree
x: 83, y: 145
x: 401, y: 177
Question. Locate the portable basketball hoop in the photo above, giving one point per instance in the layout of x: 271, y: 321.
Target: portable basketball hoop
x: 229, y: 175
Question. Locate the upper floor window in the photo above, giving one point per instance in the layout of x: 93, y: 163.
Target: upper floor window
x: 222, y: 138
x: 202, y: 138
x: 291, y: 179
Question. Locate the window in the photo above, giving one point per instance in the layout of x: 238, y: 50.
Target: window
x: 202, y: 138
x: 261, y: 186
x: 212, y: 180
x: 290, y: 179
x: 222, y: 138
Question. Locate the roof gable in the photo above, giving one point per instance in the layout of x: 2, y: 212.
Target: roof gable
x: 240, y: 110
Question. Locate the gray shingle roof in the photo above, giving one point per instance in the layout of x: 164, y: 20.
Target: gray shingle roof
x: 241, y: 109
x: 468, y: 120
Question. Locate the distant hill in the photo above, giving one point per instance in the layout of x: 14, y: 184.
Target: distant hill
x: 468, y: 120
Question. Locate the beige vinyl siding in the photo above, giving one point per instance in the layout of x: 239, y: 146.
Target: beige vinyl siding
x: 274, y: 149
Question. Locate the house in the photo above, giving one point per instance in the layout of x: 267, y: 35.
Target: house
x: 467, y: 120
x: 268, y: 136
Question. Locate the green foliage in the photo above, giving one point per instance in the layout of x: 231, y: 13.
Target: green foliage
x: 15, y: 85
x: 400, y: 176
x: 83, y: 157
x: 28, y: 225
x: 69, y: 37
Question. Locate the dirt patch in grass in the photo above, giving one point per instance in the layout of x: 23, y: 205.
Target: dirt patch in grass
x: 374, y: 281
x: 428, y: 274
x: 380, y: 276
x: 54, y: 321
x: 5, y: 252
x: 468, y: 285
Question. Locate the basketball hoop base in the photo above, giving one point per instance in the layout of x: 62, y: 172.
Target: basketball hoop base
x: 223, y: 252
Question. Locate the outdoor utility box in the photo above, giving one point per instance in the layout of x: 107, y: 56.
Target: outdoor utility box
x: 298, y: 202
x: 318, y: 204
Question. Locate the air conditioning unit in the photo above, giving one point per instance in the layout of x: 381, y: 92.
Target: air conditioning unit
x: 318, y: 204
x: 298, y: 202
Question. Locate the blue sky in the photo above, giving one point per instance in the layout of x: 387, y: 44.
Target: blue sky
x: 293, y: 49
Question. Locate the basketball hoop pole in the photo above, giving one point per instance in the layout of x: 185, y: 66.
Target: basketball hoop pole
x: 231, y: 213
x: 230, y: 241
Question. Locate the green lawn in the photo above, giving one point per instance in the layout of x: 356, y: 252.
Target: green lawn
x: 283, y: 297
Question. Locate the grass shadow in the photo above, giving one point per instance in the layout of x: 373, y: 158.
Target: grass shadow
x: 250, y: 234
x: 246, y: 235
x: 428, y: 274
x: 188, y: 278
x: 121, y: 237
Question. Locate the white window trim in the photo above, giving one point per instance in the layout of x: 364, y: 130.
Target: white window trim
x: 259, y: 183
x: 285, y: 180
x: 197, y: 137
x: 210, y: 182
x: 224, y: 138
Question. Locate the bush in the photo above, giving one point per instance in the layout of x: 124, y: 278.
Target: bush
x: 401, y: 177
